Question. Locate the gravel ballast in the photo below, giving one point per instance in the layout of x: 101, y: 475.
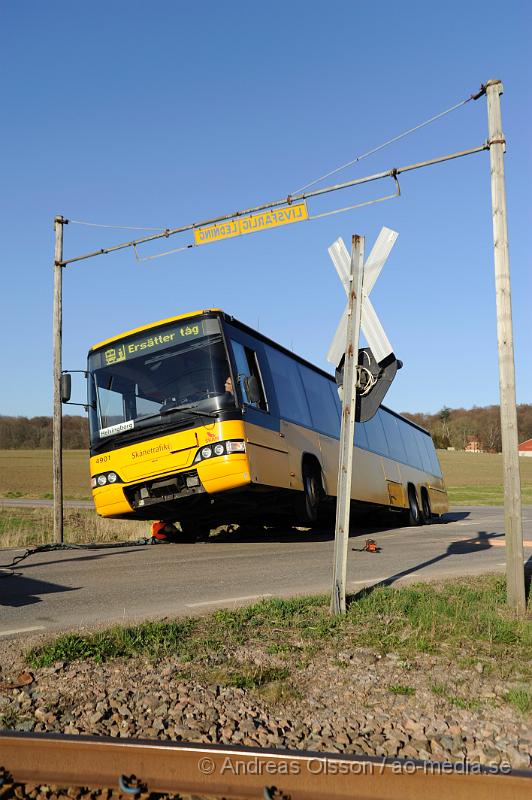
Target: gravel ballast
x: 348, y: 702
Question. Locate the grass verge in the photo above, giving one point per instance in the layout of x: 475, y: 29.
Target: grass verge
x: 25, y: 527
x: 485, y: 495
x: 521, y: 699
x: 268, y: 643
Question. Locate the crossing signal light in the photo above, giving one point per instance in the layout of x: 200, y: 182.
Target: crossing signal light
x: 374, y: 380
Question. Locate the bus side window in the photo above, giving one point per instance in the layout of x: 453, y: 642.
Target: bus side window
x: 321, y: 403
x: 247, y: 367
x: 361, y: 439
x: 375, y: 433
x: 393, y: 437
x: 408, y: 434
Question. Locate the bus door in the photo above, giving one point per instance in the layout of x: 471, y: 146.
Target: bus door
x: 267, y: 451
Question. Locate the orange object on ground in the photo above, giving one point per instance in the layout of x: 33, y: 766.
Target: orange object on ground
x: 370, y: 546
x: 163, y: 531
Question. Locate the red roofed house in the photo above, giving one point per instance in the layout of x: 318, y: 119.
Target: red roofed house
x: 473, y: 444
x: 525, y: 448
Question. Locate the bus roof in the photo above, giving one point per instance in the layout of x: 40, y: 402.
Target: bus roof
x: 151, y: 325
x: 247, y: 329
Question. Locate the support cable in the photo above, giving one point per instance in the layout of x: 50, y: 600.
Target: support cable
x: 116, y: 227
x: 387, y: 143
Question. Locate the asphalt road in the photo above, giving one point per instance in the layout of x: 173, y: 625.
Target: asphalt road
x: 70, y: 589
x: 29, y: 502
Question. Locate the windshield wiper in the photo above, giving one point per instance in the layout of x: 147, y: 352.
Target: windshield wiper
x: 103, y: 441
x: 125, y: 436
x: 191, y: 409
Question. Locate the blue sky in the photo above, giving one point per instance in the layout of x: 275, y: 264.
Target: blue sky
x: 164, y: 113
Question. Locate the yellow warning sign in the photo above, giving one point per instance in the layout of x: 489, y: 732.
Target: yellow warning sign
x: 255, y: 222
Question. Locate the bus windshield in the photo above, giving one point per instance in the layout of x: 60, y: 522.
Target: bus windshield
x: 147, y: 380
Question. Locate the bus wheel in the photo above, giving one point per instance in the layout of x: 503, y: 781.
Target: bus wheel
x: 308, y: 504
x: 413, y: 515
x: 193, y: 531
x: 426, y: 513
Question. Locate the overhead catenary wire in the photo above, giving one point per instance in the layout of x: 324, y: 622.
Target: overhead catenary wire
x: 161, y: 231
x: 390, y: 173
x: 387, y: 143
x: 116, y: 227
x: 160, y: 255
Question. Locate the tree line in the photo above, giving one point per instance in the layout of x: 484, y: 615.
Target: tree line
x: 454, y: 427
x: 35, y: 433
x: 449, y: 427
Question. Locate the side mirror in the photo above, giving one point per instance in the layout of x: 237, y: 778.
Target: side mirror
x: 251, y: 386
x: 66, y: 387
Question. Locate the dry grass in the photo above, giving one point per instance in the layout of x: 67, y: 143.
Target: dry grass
x: 24, y: 527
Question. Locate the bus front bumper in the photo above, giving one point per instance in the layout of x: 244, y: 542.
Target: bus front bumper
x: 211, y: 476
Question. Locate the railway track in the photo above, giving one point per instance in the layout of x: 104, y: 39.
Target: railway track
x: 144, y: 769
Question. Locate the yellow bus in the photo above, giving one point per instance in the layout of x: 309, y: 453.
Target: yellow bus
x: 199, y: 419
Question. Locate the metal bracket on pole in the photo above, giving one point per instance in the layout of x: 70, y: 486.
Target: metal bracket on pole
x: 347, y: 432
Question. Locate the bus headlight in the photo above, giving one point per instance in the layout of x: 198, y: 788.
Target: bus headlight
x: 220, y: 449
x: 235, y: 446
x: 104, y: 478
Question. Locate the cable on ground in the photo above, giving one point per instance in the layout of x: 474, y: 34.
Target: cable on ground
x: 46, y: 548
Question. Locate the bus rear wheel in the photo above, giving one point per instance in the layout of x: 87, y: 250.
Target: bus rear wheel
x: 413, y: 515
x: 426, y: 513
x: 308, y: 503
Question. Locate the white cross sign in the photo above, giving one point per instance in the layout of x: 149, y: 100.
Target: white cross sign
x: 370, y: 323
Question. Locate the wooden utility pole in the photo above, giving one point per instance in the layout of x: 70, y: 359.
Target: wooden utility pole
x: 347, y: 431
x: 513, y: 524
x: 57, y: 369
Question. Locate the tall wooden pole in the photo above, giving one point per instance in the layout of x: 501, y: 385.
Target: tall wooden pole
x: 513, y: 525
x: 57, y: 367
x: 347, y: 430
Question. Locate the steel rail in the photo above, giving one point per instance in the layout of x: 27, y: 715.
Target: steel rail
x: 391, y: 173
x: 244, y: 772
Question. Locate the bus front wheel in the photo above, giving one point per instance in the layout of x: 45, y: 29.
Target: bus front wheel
x: 193, y: 531
x: 308, y: 504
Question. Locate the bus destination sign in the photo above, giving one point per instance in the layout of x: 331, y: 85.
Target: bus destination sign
x: 252, y: 223
x: 153, y: 341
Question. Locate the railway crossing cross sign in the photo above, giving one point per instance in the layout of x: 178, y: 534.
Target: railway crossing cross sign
x: 369, y: 321
x: 377, y: 363
x: 358, y: 277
